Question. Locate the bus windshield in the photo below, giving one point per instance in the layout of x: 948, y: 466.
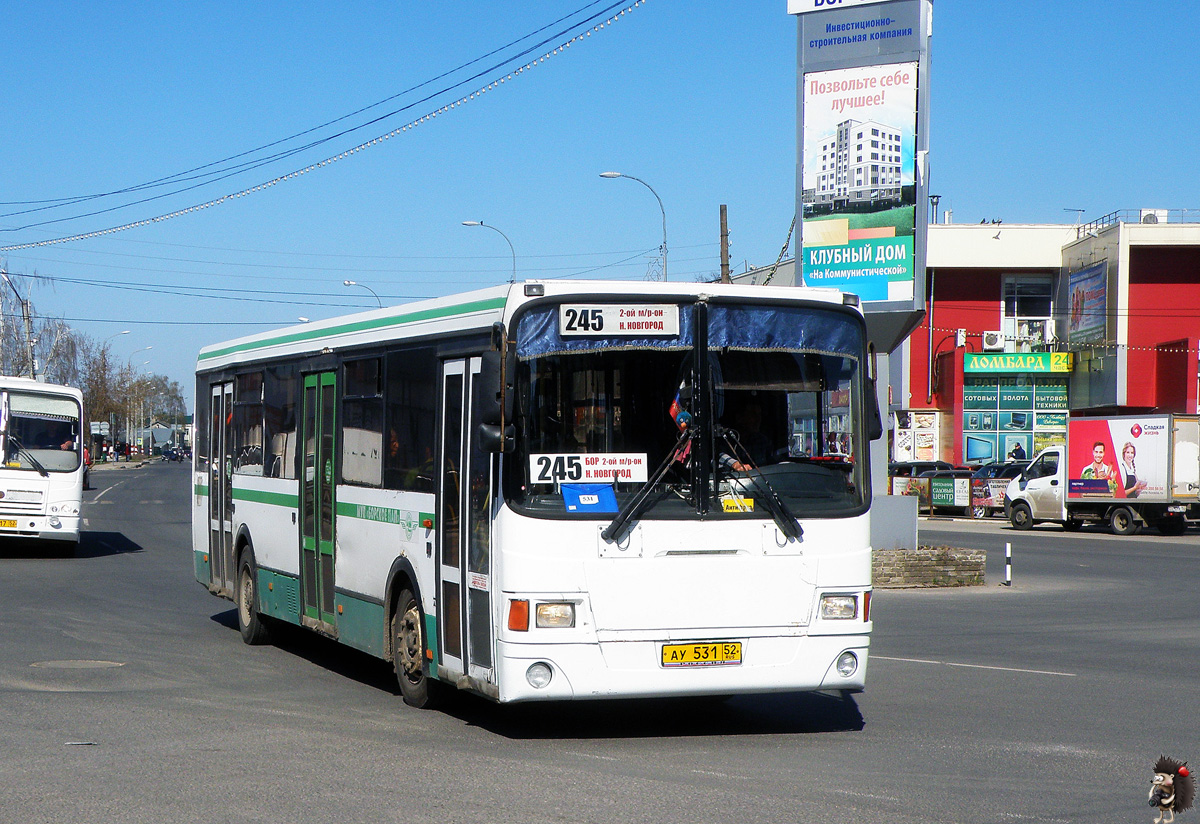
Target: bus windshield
x: 39, y: 432
x: 746, y: 404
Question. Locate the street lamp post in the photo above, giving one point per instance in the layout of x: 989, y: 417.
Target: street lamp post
x: 129, y: 405
x: 363, y: 286
x: 28, y: 330
x: 512, y: 279
x: 613, y: 176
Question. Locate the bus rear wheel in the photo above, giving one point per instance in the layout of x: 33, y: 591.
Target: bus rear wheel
x: 408, y: 652
x: 250, y: 623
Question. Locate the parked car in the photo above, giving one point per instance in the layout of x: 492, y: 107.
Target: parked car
x: 999, y: 469
x: 953, y: 473
x: 984, y: 489
x: 912, y: 469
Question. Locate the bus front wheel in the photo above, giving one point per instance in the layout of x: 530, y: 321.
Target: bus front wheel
x: 408, y: 652
x: 251, y: 624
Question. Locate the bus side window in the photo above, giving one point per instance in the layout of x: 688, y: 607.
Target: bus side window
x: 280, y: 388
x: 409, y: 394
x: 362, y: 422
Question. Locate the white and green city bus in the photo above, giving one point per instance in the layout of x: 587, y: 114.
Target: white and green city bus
x: 553, y: 490
x: 41, y: 479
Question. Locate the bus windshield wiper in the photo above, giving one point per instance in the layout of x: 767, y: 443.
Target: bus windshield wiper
x: 21, y: 450
x: 789, y: 525
x: 615, y: 531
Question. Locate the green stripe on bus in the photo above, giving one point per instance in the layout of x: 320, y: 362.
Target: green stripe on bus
x: 279, y: 595
x: 258, y: 496
x: 203, y: 567
x: 431, y: 642
x: 360, y: 624
x: 201, y: 489
x: 359, y: 326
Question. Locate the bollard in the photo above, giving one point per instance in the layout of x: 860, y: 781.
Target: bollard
x: 1008, y: 565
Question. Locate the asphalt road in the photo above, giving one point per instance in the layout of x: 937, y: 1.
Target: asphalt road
x: 126, y: 694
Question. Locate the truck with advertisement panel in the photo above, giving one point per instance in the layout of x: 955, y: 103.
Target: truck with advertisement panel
x: 1125, y: 471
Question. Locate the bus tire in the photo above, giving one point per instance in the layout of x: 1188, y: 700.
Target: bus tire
x: 1021, y: 516
x: 408, y: 652
x: 251, y: 624
x: 1122, y: 521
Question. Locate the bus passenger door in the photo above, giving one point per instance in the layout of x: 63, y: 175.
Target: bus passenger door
x: 318, y: 436
x: 220, y: 486
x: 464, y: 531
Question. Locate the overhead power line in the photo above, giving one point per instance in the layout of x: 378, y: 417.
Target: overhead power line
x: 50, y: 203
x: 489, y: 86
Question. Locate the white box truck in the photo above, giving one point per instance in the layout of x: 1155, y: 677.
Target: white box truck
x: 1126, y: 471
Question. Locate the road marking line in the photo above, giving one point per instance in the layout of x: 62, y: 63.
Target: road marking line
x: 975, y: 666
x: 593, y: 755
x: 1013, y: 669
x: 910, y: 660
x: 105, y: 492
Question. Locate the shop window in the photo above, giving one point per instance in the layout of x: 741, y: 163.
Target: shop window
x: 1028, y: 313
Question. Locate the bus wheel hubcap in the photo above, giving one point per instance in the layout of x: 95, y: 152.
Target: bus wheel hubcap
x: 410, y: 643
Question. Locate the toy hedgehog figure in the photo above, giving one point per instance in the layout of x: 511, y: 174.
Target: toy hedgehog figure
x: 1173, y: 789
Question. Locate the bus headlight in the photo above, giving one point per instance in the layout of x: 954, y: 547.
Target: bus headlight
x: 64, y: 509
x: 839, y: 607
x: 538, y: 675
x: 555, y: 615
x: 847, y: 663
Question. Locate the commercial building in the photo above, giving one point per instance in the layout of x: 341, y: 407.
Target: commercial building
x: 1027, y: 324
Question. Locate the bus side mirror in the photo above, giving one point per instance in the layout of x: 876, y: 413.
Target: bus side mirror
x: 494, y: 386
x: 493, y: 439
x: 874, y: 419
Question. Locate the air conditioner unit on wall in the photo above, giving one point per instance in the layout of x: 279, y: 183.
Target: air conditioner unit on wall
x: 993, y: 342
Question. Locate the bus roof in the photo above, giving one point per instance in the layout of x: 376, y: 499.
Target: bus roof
x: 27, y: 385
x: 467, y: 312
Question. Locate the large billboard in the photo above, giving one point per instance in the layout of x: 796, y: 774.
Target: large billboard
x: 1087, y: 297
x: 859, y: 180
x: 862, y: 148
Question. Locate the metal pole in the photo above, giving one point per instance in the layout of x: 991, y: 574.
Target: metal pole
x: 1008, y: 565
x: 512, y: 279
x: 613, y: 175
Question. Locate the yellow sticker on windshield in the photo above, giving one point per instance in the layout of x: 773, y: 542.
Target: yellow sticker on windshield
x: 738, y: 504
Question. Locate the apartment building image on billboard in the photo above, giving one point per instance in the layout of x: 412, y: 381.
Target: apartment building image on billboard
x: 859, y: 166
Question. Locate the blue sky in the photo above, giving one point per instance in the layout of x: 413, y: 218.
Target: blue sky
x: 1036, y: 108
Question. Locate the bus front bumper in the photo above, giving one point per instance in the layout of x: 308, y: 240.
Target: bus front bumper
x: 40, y: 527
x: 634, y: 669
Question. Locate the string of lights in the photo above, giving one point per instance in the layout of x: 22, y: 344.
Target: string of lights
x: 329, y: 161
x: 1080, y: 346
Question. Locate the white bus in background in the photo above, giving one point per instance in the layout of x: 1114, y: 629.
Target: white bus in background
x: 553, y: 490
x: 41, y: 479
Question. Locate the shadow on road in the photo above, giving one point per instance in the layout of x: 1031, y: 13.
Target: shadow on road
x: 91, y: 545
x: 775, y: 714
x: 781, y: 713
x: 325, y: 653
